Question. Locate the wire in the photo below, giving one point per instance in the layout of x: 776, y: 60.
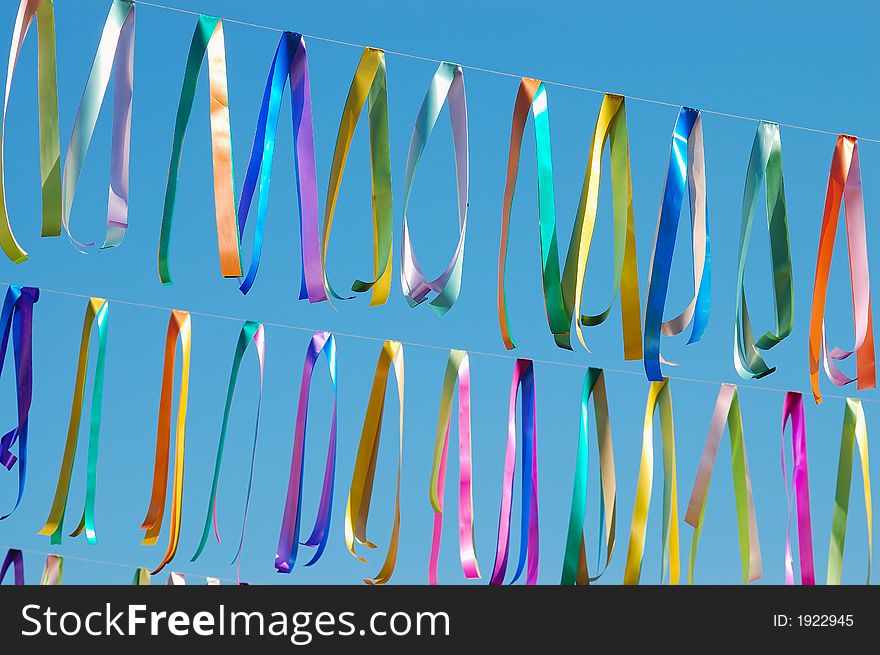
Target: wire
x: 491, y: 71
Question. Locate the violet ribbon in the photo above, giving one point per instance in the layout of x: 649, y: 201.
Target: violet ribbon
x: 15, y: 559
x: 793, y: 408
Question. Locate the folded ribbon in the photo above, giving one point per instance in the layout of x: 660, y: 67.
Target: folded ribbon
x: 141, y: 577
x: 793, y: 409
x: 15, y: 559
x: 53, y: 571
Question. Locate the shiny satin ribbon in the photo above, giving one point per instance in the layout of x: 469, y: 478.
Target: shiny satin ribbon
x: 53, y: 571
x: 251, y: 331
x: 793, y: 409
x: 15, y: 559
x: 727, y: 411
x: 179, y: 325
x: 115, y: 55
x: 207, y: 38
x: 447, y: 85
x: 659, y: 396
x: 96, y: 312
x: 523, y: 377
x: 854, y: 430
x: 50, y: 146
x: 687, y: 166
x: 457, y: 370
x: 765, y: 164
x: 369, y: 86
x: 361, y: 491
x: 290, y: 62
x: 17, y: 318
x: 141, y: 577
x: 844, y: 183
x: 288, y: 540
x: 574, y: 565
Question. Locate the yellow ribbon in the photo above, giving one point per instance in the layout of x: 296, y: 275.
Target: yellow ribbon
x: 360, y: 494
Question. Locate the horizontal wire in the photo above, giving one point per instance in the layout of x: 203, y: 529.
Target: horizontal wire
x: 491, y: 71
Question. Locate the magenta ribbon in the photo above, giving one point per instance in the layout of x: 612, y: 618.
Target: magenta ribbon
x: 288, y: 541
x: 523, y: 376
x: 15, y: 559
x: 793, y: 409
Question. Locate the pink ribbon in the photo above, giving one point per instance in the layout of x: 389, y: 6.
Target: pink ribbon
x: 793, y: 409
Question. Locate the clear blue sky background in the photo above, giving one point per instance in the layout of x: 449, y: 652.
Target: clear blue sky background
x: 792, y: 62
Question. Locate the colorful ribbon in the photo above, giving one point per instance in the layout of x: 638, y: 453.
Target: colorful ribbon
x: 574, y: 566
x: 288, y: 540
x: 368, y: 85
x: 361, y: 491
x: 17, y: 317
x: 53, y: 571
x: 793, y: 409
x: 523, y: 376
x: 854, y: 430
x: 207, y: 38
x: 50, y: 146
x: 765, y: 164
x: 251, y: 331
x: 96, y: 312
x: 179, y: 325
x: 727, y: 411
x: 447, y: 84
x: 15, y: 559
x: 290, y: 61
x: 844, y: 183
x: 457, y: 370
x: 115, y: 54
x: 660, y: 396
x: 141, y: 577
x: 686, y: 166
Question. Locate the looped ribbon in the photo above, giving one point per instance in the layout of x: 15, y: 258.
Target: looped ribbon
x: 687, y: 166
x: 288, y: 540
x: 290, y: 62
x: 574, y: 566
x: 115, y: 55
x: 53, y: 571
x: 457, y: 370
x: 765, y: 164
x: 96, y: 313
x: 659, y: 396
x: 844, y: 183
x: 447, y: 85
x: 141, y: 577
x: 15, y: 559
x: 727, y: 411
x: 368, y: 86
x: 251, y: 331
x: 854, y: 430
x: 207, y: 38
x: 523, y: 377
x: 179, y: 325
x: 793, y: 409
x: 17, y: 317
x: 50, y: 146
x: 361, y: 491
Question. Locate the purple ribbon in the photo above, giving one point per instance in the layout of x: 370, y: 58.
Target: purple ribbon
x: 15, y: 559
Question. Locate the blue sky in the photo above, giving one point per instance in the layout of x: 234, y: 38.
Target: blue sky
x: 790, y: 64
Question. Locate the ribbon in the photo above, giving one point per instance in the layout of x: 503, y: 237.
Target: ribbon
x: 290, y: 62
x: 659, y: 396
x: 179, y: 324
x: 15, y: 559
x: 288, y: 540
x: 523, y: 376
x: 765, y: 164
x: 50, y: 147
x: 96, y: 312
x: 457, y: 370
x: 175, y: 579
x: 686, y: 166
x: 844, y: 183
x: 207, y: 38
x: 116, y: 55
x: 368, y: 85
x: 727, y: 411
x: 17, y: 317
x: 574, y: 566
x: 251, y: 331
x: 447, y: 84
x: 361, y: 491
x: 53, y: 571
x: 854, y: 430
x: 141, y: 577
x: 793, y: 409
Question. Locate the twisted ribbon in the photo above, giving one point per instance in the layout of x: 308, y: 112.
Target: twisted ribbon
x: 793, y: 409
x: 53, y: 571
x: 15, y: 559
